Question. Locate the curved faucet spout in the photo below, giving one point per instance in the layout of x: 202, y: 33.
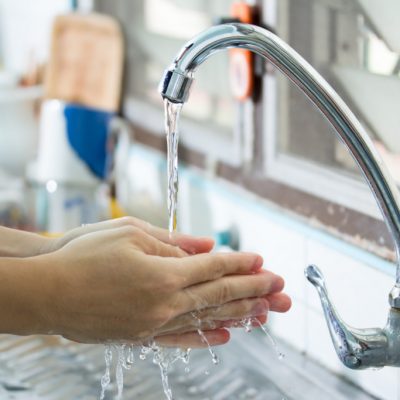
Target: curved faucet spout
x: 356, y: 348
x: 177, y: 81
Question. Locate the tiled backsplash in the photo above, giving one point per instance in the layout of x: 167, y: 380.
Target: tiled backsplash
x: 358, y: 282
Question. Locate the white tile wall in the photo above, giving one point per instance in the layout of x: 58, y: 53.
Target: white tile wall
x: 358, y: 291
x: 293, y: 327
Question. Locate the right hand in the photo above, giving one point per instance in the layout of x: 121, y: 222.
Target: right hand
x: 124, y: 285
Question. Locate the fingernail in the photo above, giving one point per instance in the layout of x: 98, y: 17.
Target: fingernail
x: 257, y: 263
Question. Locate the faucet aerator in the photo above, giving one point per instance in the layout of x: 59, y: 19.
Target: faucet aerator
x: 175, y: 86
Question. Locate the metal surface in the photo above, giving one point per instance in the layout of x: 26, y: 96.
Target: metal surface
x: 349, y: 130
x: 32, y: 369
x: 357, y: 349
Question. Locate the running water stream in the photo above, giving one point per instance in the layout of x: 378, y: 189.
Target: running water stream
x: 172, y: 112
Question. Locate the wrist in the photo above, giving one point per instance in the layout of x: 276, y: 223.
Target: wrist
x: 25, y: 295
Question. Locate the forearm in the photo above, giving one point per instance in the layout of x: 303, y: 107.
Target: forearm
x: 16, y: 243
x: 23, y: 296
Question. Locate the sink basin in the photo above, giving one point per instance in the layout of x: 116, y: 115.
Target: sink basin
x: 34, y: 368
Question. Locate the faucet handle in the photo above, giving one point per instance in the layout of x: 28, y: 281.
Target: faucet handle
x: 356, y: 348
x: 315, y: 276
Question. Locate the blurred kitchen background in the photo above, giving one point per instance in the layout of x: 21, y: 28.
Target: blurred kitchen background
x: 82, y: 139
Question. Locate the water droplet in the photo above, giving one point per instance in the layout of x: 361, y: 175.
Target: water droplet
x: 247, y: 324
x: 130, y: 358
x: 215, y: 359
x: 280, y: 355
x: 185, y: 356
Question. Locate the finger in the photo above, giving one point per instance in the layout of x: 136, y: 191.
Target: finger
x: 150, y: 245
x: 254, y: 322
x: 193, y: 339
x: 229, y: 288
x: 212, y: 318
x: 279, y: 302
x: 237, y: 309
x: 193, y: 245
x: 95, y: 227
x: 190, y: 244
x: 259, y: 320
x: 142, y: 241
x: 206, y: 267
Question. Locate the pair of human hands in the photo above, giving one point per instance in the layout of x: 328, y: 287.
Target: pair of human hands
x: 124, y: 280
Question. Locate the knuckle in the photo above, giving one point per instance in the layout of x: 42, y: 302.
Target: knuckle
x: 128, y: 220
x: 137, y: 223
x: 129, y: 230
x: 170, y: 250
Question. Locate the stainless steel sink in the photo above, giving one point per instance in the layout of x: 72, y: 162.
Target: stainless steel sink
x: 40, y: 368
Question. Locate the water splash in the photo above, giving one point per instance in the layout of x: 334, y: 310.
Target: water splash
x: 106, y: 378
x: 161, y: 360
x: 130, y: 358
x: 214, y: 356
x: 144, y: 351
x: 248, y: 323
x: 186, y: 356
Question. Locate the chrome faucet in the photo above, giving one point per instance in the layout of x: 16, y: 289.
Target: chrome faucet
x: 356, y: 348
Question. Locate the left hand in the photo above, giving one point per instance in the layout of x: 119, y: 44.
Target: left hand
x: 191, y: 245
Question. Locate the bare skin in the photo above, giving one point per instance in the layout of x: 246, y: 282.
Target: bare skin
x: 124, y: 280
